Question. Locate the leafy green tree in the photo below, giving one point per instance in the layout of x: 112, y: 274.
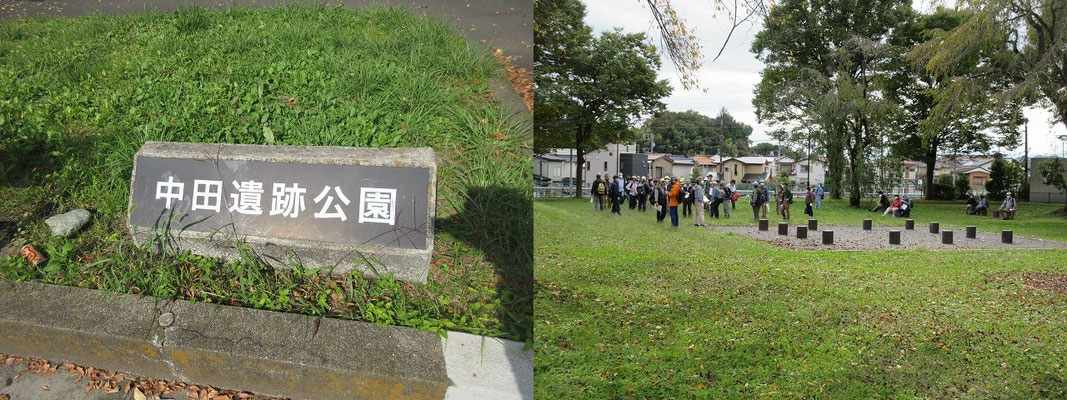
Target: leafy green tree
x: 1034, y: 36
x: 691, y: 133
x: 962, y: 187
x: 589, y: 90
x: 946, y: 111
x: 1052, y: 173
x: 825, y: 62
x: 1004, y: 176
x: 765, y: 149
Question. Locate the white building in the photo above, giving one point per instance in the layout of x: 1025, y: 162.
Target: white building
x: 807, y: 172
x: 603, y: 161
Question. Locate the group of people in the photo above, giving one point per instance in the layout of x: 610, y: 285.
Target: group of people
x: 783, y: 200
x: 667, y: 194
x: 900, y: 207
x: 980, y: 206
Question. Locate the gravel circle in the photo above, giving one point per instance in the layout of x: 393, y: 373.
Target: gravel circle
x: 851, y: 238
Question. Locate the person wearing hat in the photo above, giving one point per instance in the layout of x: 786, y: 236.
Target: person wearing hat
x: 659, y: 200
x: 598, y: 192
x: 616, y: 193
x: 766, y: 196
x: 698, y: 203
x: 1007, y: 208
x: 631, y: 191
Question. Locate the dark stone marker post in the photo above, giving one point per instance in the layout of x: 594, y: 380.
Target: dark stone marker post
x: 946, y: 237
x: 827, y: 237
x: 972, y: 232
x: 935, y: 227
x: 909, y: 224
x: 1006, y: 236
x: 813, y: 224
x: 326, y: 207
x: 802, y: 232
x: 764, y: 225
x: 867, y: 223
x: 894, y: 237
x: 783, y: 228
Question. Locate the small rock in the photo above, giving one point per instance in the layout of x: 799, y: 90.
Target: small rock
x: 67, y: 223
x: 166, y: 319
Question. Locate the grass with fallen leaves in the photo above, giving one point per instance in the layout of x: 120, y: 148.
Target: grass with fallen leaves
x: 79, y: 96
x: 627, y: 308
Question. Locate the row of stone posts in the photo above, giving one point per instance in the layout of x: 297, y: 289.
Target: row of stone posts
x: 1006, y: 236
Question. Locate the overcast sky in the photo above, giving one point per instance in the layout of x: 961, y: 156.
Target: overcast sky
x: 731, y: 80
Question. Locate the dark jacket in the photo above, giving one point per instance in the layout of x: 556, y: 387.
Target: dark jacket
x: 613, y: 191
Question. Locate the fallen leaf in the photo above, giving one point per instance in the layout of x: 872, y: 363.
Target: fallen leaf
x: 138, y: 395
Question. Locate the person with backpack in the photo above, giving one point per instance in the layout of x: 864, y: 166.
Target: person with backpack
x: 766, y: 197
x: 759, y: 200
x: 597, y: 192
x: 715, y: 195
x: 674, y: 198
x: 631, y: 190
x: 785, y: 199
x: 659, y: 200
x: 642, y: 193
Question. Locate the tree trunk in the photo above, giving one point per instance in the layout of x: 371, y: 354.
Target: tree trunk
x: 854, y: 195
x: 835, y: 164
x: 931, y: 160
x: 580, y: 162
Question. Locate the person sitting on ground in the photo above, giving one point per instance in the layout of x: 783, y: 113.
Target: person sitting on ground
x: 983, y: 206
x: 893, y: 207
x: 972, y: 205
x: 1007, y: 208
x: 905, y: 208
x: 883, y: 202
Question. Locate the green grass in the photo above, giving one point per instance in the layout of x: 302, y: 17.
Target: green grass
x: 79, y: 96
x: 627, y: 308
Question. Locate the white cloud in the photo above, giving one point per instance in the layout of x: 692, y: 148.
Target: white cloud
x: 731, y: 80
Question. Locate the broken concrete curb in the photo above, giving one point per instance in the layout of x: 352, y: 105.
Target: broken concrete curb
x: 265, y: 352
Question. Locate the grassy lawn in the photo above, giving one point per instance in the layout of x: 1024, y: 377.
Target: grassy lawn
x: 627, y: 308
x: 79, y: 96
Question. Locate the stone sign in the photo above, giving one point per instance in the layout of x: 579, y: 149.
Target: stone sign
x: 326, y: 207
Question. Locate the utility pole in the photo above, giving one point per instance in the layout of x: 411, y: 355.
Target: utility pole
x: 809, y: 157
x: 1026, y: 149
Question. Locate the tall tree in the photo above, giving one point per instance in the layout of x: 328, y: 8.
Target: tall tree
x: 1052, y: 173
x: 1034, y: 32
x: 947, y: 111
x: 825, y: 62
x: 691, y: 133
x: 589, y: 90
